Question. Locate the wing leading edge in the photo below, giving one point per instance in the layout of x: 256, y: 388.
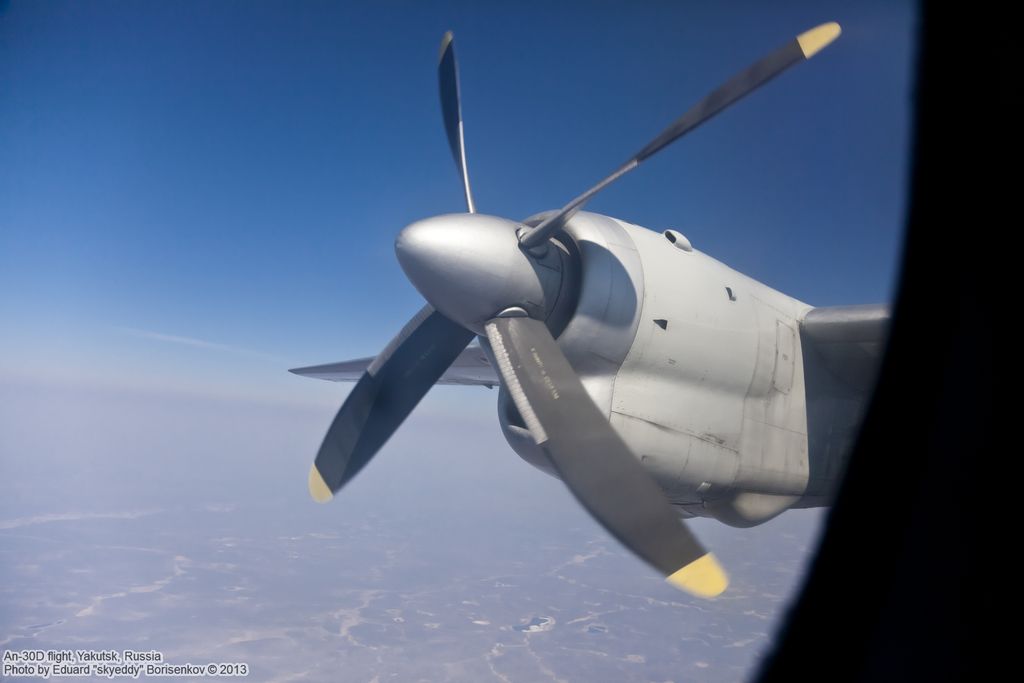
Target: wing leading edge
x: 842, y: 351
x: 850, y: 341
x: 470, y: 368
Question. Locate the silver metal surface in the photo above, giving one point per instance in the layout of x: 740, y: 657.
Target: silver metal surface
x: 470, y: 267
x: 604, y: 325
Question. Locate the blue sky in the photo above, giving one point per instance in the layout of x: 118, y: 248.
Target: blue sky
x: 199, y: 195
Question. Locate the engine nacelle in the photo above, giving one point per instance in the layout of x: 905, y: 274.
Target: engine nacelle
x: 696, y: 365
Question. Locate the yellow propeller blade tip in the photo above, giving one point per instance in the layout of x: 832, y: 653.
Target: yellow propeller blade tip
x: 703, y: 577
x: 318, y: 488
x: 446, y: 40
x: 812, y: 42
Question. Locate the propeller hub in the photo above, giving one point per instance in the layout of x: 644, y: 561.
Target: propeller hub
x: 470, y: 267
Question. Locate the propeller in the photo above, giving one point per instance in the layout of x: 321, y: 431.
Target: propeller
x: 451, y: 111
x: 415, y: 359
x: 802, y: 48
x: 492, y: 276
x: 592, y: 459
x: 384, y: 396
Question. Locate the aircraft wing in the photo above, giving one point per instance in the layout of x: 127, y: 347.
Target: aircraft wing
x: 470, y: 368
x: 850, y: 341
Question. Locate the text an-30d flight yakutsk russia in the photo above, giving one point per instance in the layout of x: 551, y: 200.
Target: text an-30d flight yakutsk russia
x: 656, y: 382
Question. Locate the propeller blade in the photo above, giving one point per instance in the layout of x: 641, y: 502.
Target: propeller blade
x: 593, y: 460
x: 385, y: 395
x: 451, y: 110
x: 802, y: 48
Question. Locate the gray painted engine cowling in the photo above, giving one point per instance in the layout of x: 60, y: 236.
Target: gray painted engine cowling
x: 707, y: 408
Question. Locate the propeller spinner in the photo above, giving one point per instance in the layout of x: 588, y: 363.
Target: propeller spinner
x: 494, y: 277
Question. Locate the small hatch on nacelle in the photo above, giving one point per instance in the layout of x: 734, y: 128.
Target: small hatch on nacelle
x: 678, y: 240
